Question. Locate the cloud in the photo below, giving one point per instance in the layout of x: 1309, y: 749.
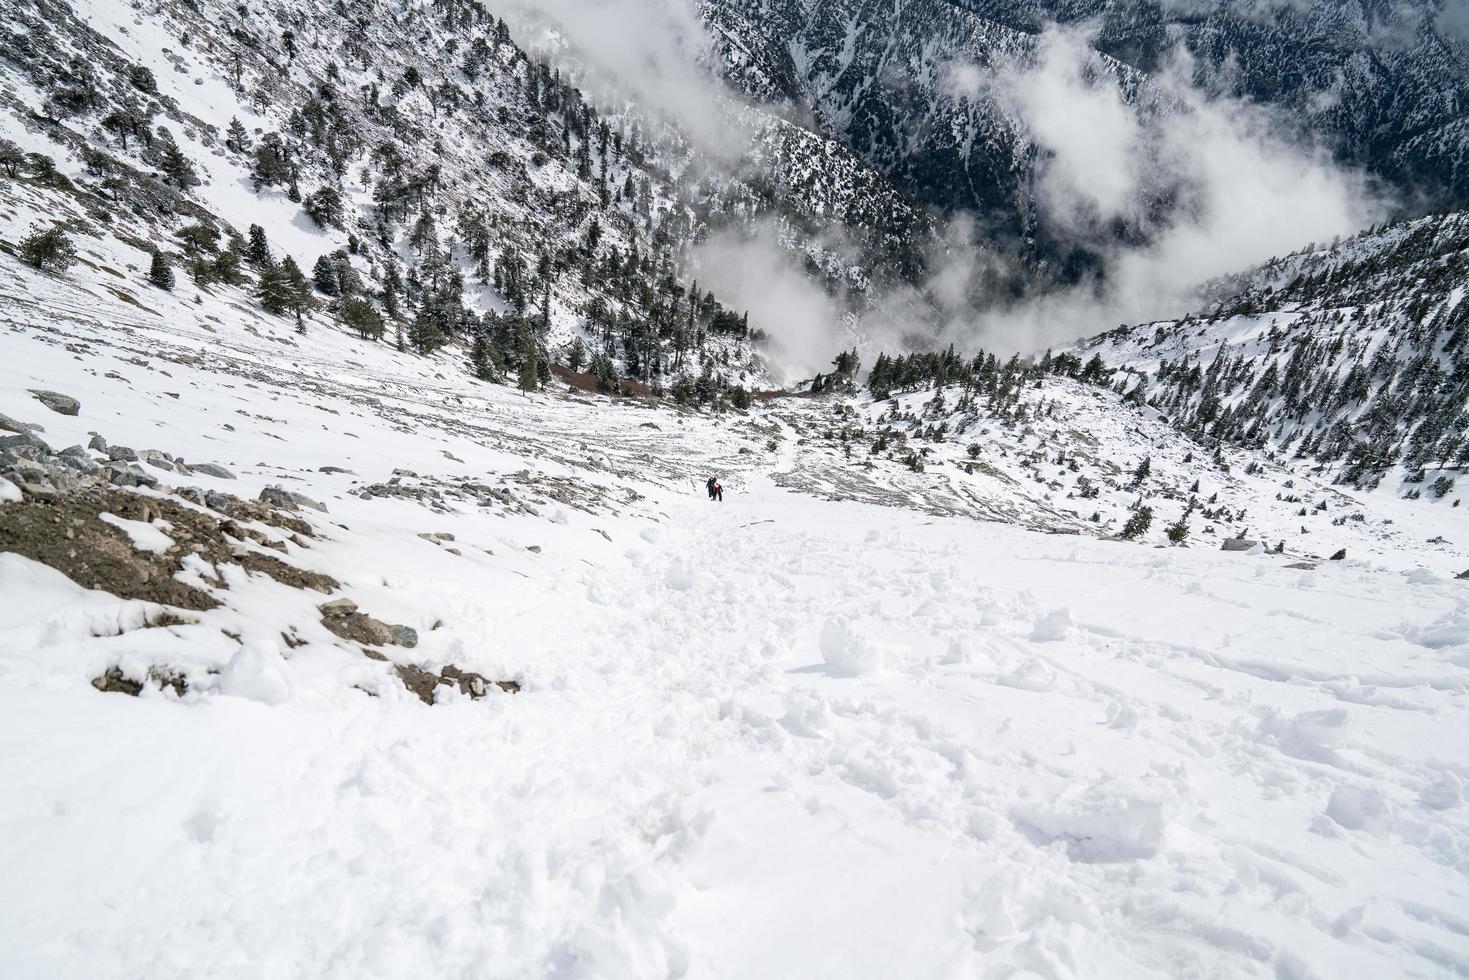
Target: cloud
x: 1210, y: 184
x: 651, y: 51
x: 755, y: 269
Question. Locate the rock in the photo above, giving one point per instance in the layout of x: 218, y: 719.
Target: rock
x: 57, y: 402
x: 403, y: 473
x: 129, y: 476
x: 1340, y: 555
x: 221, y: 502
x: 333, y: 469
x: 475, y: 685
x: 338, y: 607
x: 8, y: 424
x: 121, y: 454
x: 278, y: 496
x: 404, y: 636
x: 1304, y: 566
x: 437, y: 537
x: 97, y: 443
x: 75, y: 452
x: 24, y: 440
x: 419, y: 681
x: 155, y: 458
x: 1238, y: 544
x: 1463, y: 574
x: 212, y: 469
x: 114, y: 681
x: 183, y: 470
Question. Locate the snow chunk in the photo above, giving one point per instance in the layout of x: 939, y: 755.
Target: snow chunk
x: 256, y: 671
x: 679, y: 576
x: 1055, y: 625
x: 1101, y: 824
x: 1353, y: 807
x: 846, y: 652
x: 145, y: 536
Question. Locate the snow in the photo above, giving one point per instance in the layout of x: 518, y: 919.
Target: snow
x: 785, y: 735
x: 145, y: 536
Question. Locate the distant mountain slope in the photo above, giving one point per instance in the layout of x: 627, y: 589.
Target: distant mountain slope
x: 1376, y: 83
x: 1356, y: 355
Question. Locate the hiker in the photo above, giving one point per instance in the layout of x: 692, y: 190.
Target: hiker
x: 717, y: 492
x: 709, y: 486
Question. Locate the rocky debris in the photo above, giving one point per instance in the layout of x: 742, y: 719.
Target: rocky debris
x: 97, y: 443
x: 436, y: 537
x: 333, y: 469
x: 61, y: 527
x: 212, y: 469
x: 8, y: 424
x: 424, y: 683
x: 161, y: 460
x: 341, y: 617
x: 114, y: 681
x: 246, y: 510
x: 1304, y: 566
x: 121, y: 454
x: 57, y: 402
x: 278, y: 496
x: 1238, y: 544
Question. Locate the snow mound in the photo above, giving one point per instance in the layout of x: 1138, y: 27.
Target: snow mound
x: 846, y: 652
x: 1101, y: 824
x: 256, y: 672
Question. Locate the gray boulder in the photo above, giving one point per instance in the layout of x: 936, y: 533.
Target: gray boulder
x: 278, y: 496
x: 57, y: 402
x: 211, y: 469
x: 404, y: 636
x: 8, y: 424
x: 338, y: 607
x: 97, y: 443
x: 1238, y: 544
x: 121, y: 454
x: 155, y: 458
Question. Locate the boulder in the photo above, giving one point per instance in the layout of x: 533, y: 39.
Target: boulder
x: 338, y: 607
x: 211, y: 469
x: 8, y: 424
x: 1238, y: 544
x: 155, y: 458
x: 57, y: 402
x: 278, y: 496
x: 97, y: 443
x: 121, y: 454
x: 404, y: 636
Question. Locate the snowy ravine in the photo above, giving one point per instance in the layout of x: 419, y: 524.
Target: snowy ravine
x: 785, y: 736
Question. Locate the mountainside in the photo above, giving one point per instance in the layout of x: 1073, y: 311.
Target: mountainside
x: 328, y: 661
x: 1354, y: 356
x: 921, y: 96
x: 435, y: 181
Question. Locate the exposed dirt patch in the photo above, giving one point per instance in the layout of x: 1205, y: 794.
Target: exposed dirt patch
x: 68, y: 535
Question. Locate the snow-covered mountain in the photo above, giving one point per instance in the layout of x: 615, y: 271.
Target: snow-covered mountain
x: 1354, y: 357
x: 363, y: 613
x: 920, y: 95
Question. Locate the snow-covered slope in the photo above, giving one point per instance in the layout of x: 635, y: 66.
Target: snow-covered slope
x: 1353, y: 356
x: 787, y: 735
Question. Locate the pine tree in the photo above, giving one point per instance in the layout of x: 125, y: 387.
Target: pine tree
x: 1143, y: 470
x: 297, y: 291
x: 160, y: 272
x: 258, y: 251
x: 1137, y: 525
x: 49, y: 251
x: 236, y: 138
x: 324, y: 275
x: 529, y: 358
x: 359, y: 314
